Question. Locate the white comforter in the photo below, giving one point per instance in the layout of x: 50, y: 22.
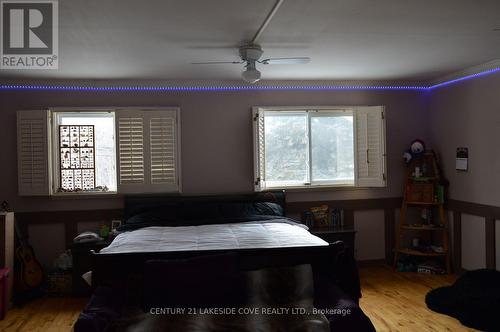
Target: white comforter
x: 211, y: 237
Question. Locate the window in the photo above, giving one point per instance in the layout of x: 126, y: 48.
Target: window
x: 84, y: 152
x: 96, y: 151
x: 319, y: 146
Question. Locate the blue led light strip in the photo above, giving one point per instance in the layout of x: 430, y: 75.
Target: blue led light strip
x: 207, y: 88
x: 468, y: 77
x: 243, y: 87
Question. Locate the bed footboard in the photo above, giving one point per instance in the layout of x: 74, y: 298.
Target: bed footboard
x: 125, y: 270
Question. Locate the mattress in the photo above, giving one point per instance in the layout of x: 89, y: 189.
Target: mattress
x: 246, y: 235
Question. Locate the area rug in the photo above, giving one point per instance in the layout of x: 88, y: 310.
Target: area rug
x: 474, y: 299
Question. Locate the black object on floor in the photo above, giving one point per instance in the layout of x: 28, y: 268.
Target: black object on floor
x: 474, y: 299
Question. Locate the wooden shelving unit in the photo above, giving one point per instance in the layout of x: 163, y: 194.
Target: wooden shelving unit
x: 423, y: 191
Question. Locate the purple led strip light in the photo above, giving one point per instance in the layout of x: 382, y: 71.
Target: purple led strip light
x: 206, y: 88
x: 242, y: 88
x: 483, y: 73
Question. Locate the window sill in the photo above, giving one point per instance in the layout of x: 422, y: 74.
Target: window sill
x: 69, y: 195
x: 319, y: 188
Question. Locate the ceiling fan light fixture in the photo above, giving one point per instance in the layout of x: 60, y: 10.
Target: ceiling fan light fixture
x: 251, y: 74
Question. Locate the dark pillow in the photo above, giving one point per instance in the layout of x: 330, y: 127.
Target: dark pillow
x: 198, y: 210
x: 236, y: 209
x: 156, y: 215
x: 268, y: 209
x: 197, y: 213
x: 206, y: 281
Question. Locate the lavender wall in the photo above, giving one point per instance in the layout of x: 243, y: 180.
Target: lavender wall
x: 216, y: 137
x: 467, y: 114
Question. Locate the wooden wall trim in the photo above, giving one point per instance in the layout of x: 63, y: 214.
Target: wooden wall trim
x: 482, y: 210
x: 70, y: 219
x: 350, y: 204
x: 56, y: 217
x: 490, y: 214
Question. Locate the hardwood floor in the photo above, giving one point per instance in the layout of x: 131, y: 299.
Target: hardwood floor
x: 393, y: 301
x: 396, y: 301
x: 51, y: 314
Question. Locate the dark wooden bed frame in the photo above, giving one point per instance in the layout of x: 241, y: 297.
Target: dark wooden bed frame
x: 113, y: 269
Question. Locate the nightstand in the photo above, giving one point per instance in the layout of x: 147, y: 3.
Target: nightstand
x: 333, y: 234
x: 82, y: 263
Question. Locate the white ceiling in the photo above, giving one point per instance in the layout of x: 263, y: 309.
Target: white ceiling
x: 346, y: 39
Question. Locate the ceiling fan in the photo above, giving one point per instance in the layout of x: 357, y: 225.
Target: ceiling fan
x: 250, y: 55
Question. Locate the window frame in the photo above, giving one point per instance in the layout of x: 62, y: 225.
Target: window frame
x: 53, y: 155
x: 54, y: 147
x: 320, y: 111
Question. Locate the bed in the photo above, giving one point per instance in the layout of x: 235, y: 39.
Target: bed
x: 174, y: 227
x: 272, y: 233
x: 208, y: 251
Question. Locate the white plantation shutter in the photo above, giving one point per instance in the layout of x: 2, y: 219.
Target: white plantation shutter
x: 370, y: 146
x: 259, y: 150
x: 148, y: 153
x: 33, y: 153
x: 163, y: 149
x: 131, y: 150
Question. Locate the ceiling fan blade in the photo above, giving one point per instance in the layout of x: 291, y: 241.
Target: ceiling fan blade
x: 217, y: 62
x: 286, y: 61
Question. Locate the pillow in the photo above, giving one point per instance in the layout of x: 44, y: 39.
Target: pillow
x: 200, y: 213
x: 198, y: 210
x: 156, y: 215
x: 268, y: 209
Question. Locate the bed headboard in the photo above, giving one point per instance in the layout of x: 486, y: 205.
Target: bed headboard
x: 135, y: 204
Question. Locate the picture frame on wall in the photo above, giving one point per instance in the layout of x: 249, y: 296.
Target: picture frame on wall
x: 462, y: 159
